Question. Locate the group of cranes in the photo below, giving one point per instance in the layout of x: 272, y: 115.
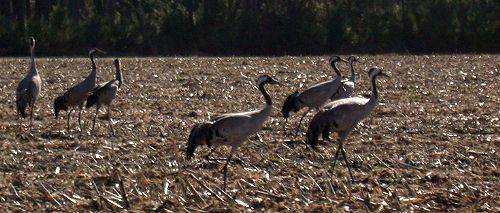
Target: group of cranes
x: 86, y: 91
x: 337, y: 110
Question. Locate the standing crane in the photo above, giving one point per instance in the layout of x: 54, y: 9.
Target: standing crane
x: 104, y: 94
x: 231, y: 129
x: 76, y: 96
x: 315, y: 96
x: 28, y: 88
x: 342, y: 116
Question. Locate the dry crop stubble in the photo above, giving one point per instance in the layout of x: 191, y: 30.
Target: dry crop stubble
x: 431, y: 144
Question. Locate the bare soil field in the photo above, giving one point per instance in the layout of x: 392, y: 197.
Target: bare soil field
x: 431, y: 144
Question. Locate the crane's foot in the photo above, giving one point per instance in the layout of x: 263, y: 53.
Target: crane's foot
x: 297, y: 132
x: 233, y: 160
x: 105, y: 117
x: 207, y: 156
x: 113, y: 133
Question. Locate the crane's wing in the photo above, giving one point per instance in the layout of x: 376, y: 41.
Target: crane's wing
x: 317, y: 95
x: 236, y: 126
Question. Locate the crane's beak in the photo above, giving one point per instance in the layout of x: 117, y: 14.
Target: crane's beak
x: 100, y: 51
x: 274, y: 81
x: 385, y: 75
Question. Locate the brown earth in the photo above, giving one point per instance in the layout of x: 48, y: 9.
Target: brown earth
x: 430, y: 145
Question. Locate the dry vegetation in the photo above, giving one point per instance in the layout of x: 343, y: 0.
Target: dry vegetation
x: 431, y: 144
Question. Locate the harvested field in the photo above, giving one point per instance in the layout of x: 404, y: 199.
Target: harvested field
x: 431, y: 144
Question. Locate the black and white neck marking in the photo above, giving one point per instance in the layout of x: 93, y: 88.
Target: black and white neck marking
x: 91, y: 54
x: 32, y: 53
x: 118, y: 71
x: 333, y: 63
x: 261, y: 81
x: 373, y: 74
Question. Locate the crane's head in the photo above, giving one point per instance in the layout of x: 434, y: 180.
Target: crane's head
x: 291, y: 104
x: 200, y: 134
x: 334, y: 59
x: 94, y: 51
x: 32, y: 41
x: 352, y: 59
x: 59, y: 105
x: 375, y: 72
x: 265, y: 79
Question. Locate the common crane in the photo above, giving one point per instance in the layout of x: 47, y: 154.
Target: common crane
x: 76, y: 96
x: 104, y: 94
x: 314, y: 96
x: 231, y: 129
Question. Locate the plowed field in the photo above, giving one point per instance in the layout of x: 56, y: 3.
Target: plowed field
x: 431, y: 144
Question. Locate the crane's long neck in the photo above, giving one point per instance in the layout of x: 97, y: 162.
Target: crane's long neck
x: 374, y: 97
x: 262, y: 114
x: 118, y: 75
x: 93, y: 62
x: 33, y: 70
x: 353, y: 75
x: 337, y: 71
x: 265, y: 94
x: 93, y: 73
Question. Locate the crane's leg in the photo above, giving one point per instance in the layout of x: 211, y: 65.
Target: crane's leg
x: 109, y: 119
x: 302, y: 118
x: 284, y: 126
x: 95, y: 116
x: 208, y: 155
x: 225, y: 166
x: 343, y: 136
x: 31, y: 114
x: 20, y: 121
x: 69, y: 114
x: 80, y: 119
x: 347, y: 164
x: 336, y: 155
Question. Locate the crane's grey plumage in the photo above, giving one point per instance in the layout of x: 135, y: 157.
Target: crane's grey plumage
x: 314, y: 96
x: 342, y: 116
x: 347, y: 85
x: 231, y: 129
x: 104, y: 94
x: 28, y: 88
x: 76, y: 96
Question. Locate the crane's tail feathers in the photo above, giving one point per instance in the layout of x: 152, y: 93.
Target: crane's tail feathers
x: 22, y: 102
x: 200, y: 134
x: 316, y: 127
x: 96, y: 88
x: 291, y: 104
x: 59, y: 105
x: 191, y: 142
x: 21, y: 92
x: 22, y: 112
x: 91, y: 100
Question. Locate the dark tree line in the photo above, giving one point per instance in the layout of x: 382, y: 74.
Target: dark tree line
x: 250, y: 27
